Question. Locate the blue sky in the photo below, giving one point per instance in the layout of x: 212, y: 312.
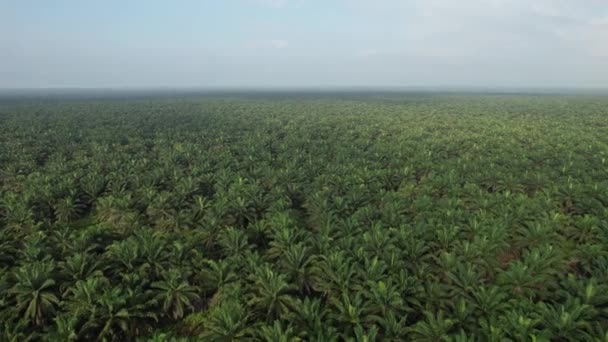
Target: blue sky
x: 303, y: 43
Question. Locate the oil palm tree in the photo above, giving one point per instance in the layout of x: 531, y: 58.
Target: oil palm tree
x: 277, y: 333
x: 569, y: 321
x: 234, y: 242
x: 152, y: 249
x: 16, y: 332
x: 111, y: 319
x: 77, y: 267
x: 80, y: 300
x: 283, y: 235
x: 270, y: 292
x: 349, y: 312
x: 296, y: 263
x: 114, y: 316
x: 116, y: 212
x: 333, y: 274
x: 383, y: 298
x: 227, y: 323
x: 34, y: 291
x: 309, y: 315
x: 123, y: 256
x: 216, y: 274
x: 9, y: 244
x: 435, y: 327
x: 392, y: 327
x: 175, y: 294
x: 68, y: 208
x: 65, y: 329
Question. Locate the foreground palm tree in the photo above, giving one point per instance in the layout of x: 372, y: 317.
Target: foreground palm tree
x: 227, y: 323
x: 111, y: 318
x: 175, y: 294
x: 34, y: 292
x: 276, y: 333
x: 270, y: 293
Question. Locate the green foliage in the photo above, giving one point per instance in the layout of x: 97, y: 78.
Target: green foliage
x: 175, y: 293
x: 345, y: 217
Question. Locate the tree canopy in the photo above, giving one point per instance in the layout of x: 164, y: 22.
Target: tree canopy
x: 305, y: 218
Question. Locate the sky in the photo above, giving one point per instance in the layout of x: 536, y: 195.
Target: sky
x: 303, y: 43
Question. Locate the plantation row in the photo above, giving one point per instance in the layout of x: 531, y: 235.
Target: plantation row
x: 371, y: 218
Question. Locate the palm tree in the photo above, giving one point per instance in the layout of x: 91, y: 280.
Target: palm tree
x: 217, y: 274
x: 112, y: 317
x: 310, y: 315
x: 348, y: 312
x: 234, y: 242
x: 65, y: 329
x: 241, y: 211
x: 199, y: 208
x: 377, y: 239
x: 297, y: 264
x: 177, y: 220
x: 93, y: 185
x: 393, y: 327
x: 16, y: 332
x: 282, y: 236
x: 258, y: 233
x: 15, y: 212
x: 35, y: 248
x: 276, y: 333
x: 166, y: 337
x: 123, y: 256
x: 116, y: 212
x: 109, y: 317
x: 383, y: 298
x: 226, y: 323
x: 175, y: 293
x: 78, y: 267
x: 80, y: 301
x: 520, y: 325
x: 34, y: 291
x: 151, y: 246
x: 270, y: 292
x: 4, y: 286
x: 65, y: 240
x: 490, y: 300
x: 68, y: 208
x: 569, y: 321
x: 160, y: 207
x: 520, y: 279
x: 464, y: 278
x: 8, y: 245
x: 374, y: 269
x: 434, y: 328
x: 333, y: 274
x: 363, y: 335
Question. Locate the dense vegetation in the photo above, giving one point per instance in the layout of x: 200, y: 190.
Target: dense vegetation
x: 352, y: 218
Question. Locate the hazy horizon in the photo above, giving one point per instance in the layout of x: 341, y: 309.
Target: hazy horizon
x: 299, y: 44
